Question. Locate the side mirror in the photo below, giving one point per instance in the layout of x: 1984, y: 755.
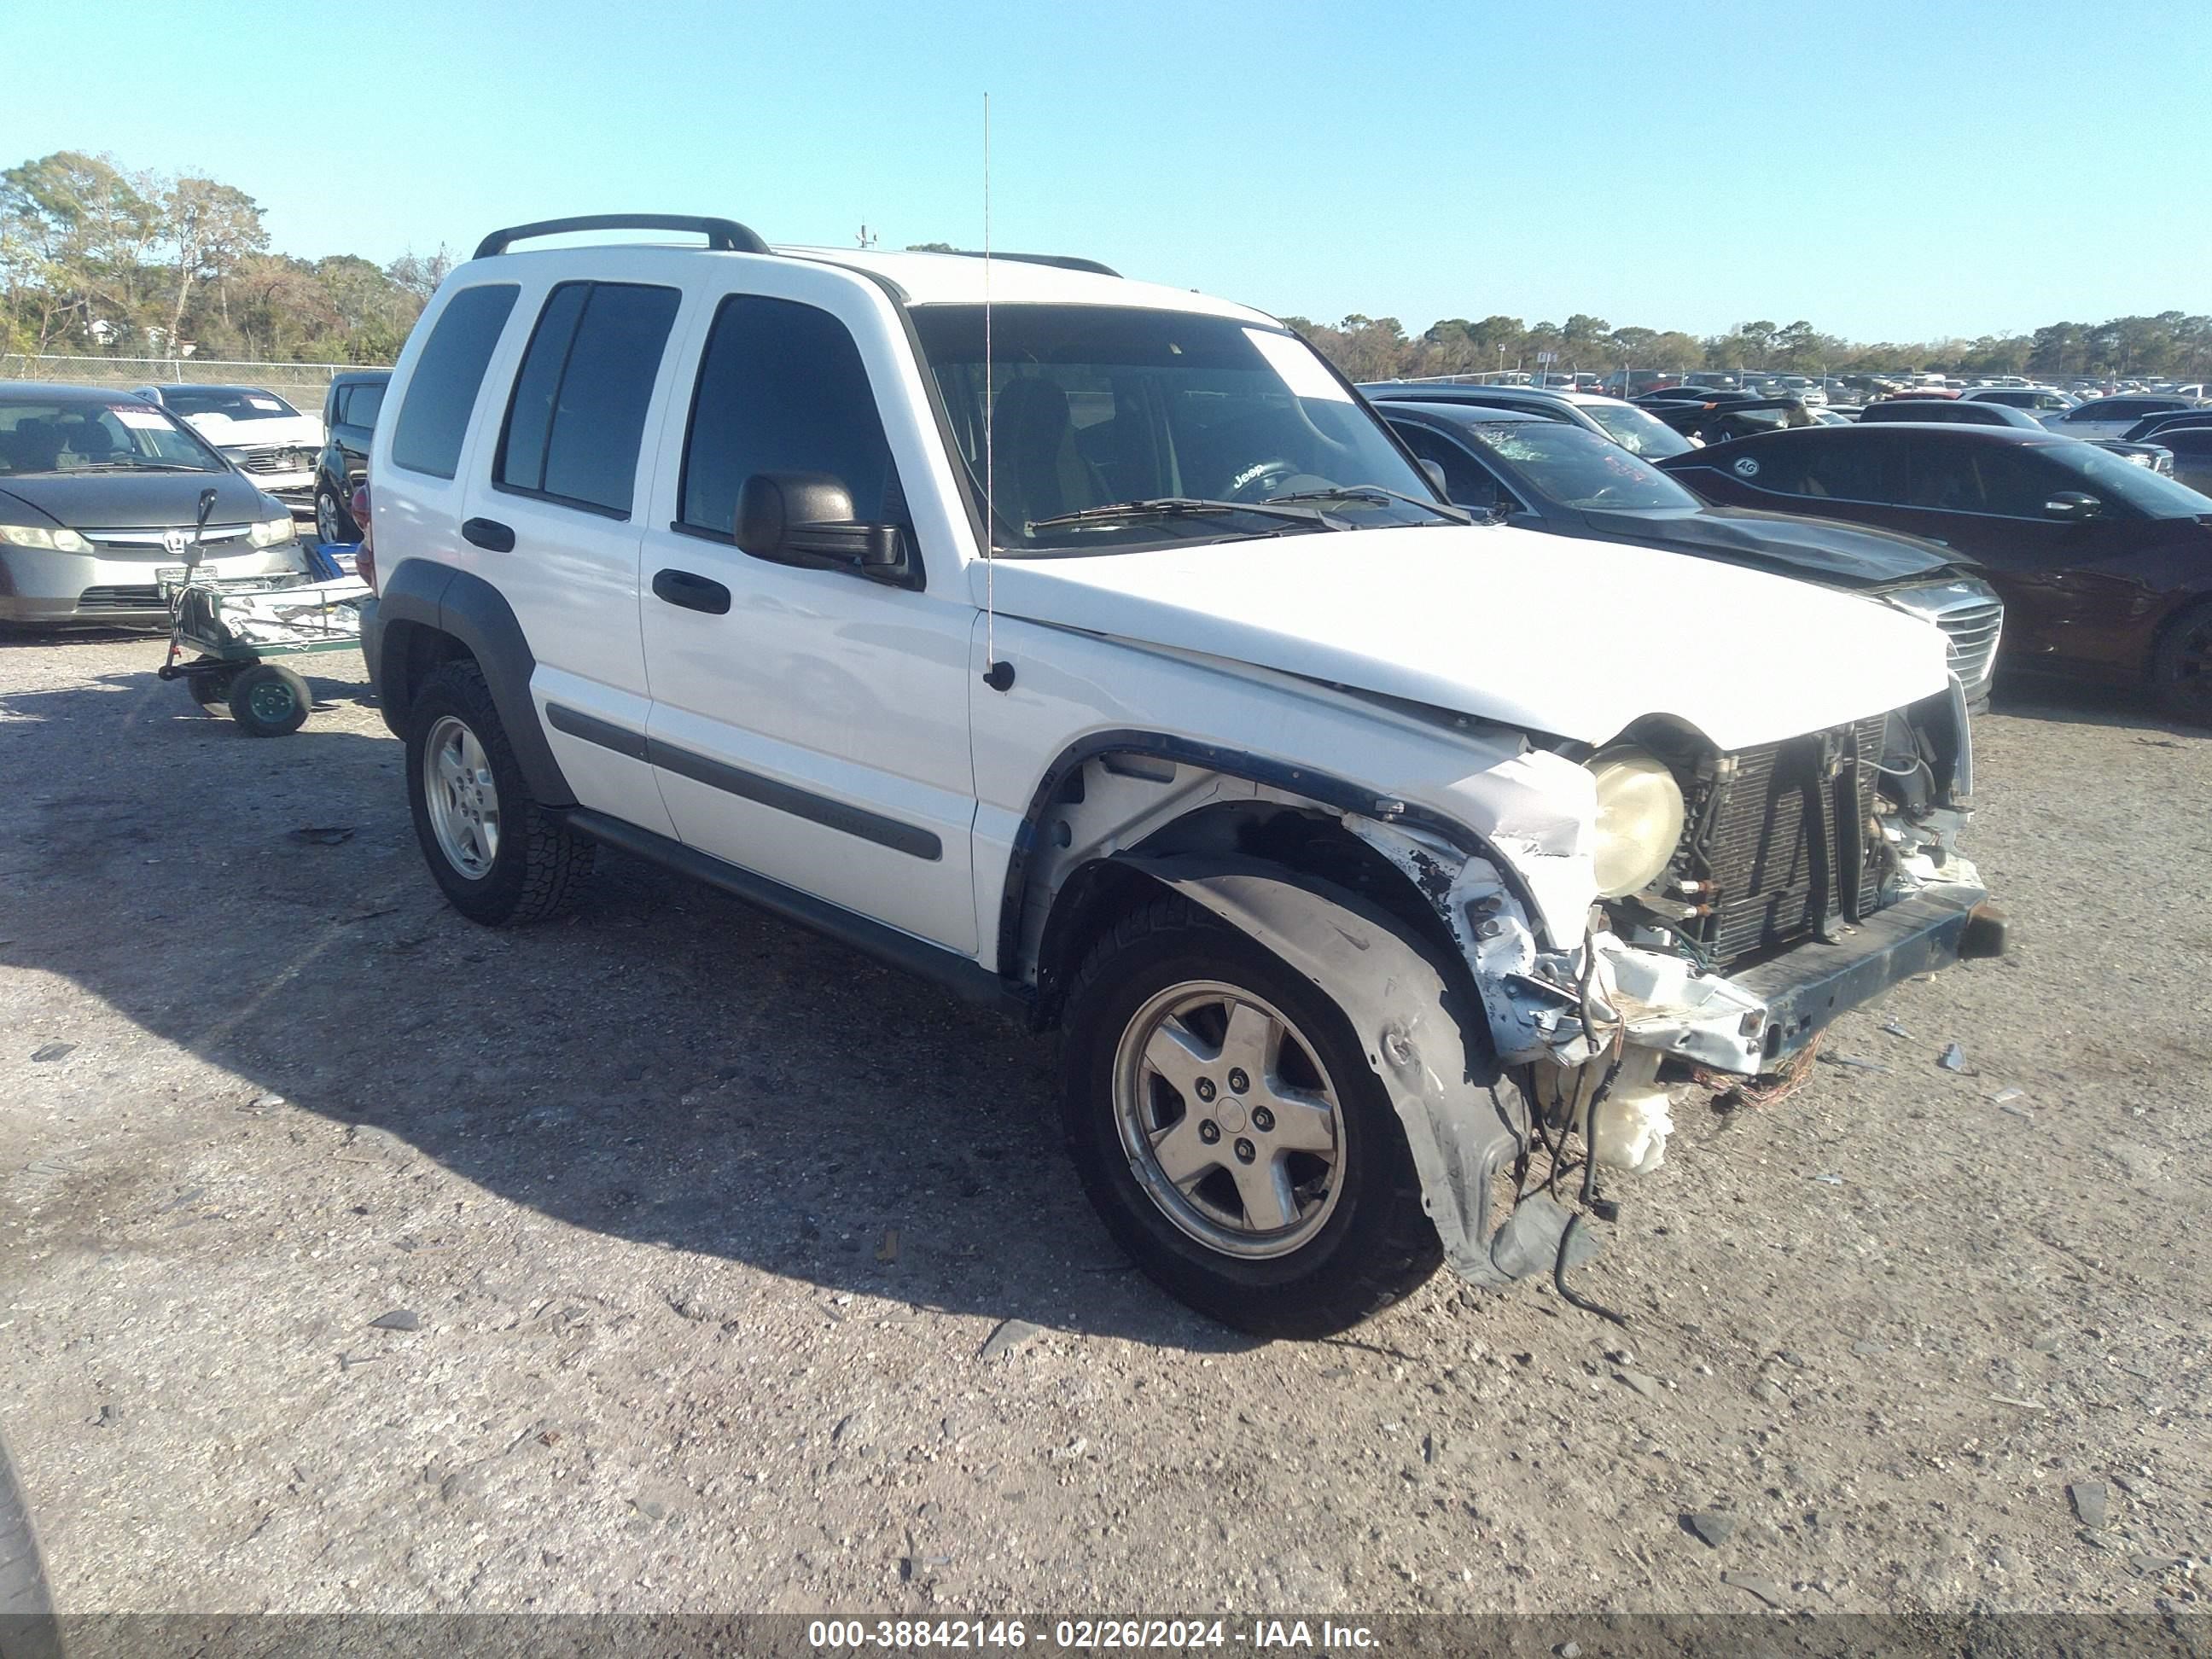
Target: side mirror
x: 2072, y: 505
x: 1434, y: 471
x: 798, y: 516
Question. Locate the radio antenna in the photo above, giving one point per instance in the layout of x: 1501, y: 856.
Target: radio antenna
x: 997, y: 675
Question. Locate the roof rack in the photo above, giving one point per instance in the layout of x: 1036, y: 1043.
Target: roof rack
x: 726, y: 234
x: 1061, y: 261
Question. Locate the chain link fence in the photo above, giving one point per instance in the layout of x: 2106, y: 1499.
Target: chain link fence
x: 300, y: 384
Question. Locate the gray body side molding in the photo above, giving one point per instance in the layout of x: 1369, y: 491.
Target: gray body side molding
x: 473, y: 611
x: 1462, y: 1128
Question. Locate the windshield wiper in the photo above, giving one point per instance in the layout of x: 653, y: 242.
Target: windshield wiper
x: 1167, y: 507
x: 1377, y: 493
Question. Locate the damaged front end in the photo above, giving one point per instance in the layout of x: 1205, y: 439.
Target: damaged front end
x: 1803, y: 879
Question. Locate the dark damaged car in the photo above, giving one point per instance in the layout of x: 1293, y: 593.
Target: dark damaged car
x: 100, y: 496
x: 2106, y: 567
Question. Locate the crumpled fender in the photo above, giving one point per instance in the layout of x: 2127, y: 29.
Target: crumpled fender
x: 1404, y: 1009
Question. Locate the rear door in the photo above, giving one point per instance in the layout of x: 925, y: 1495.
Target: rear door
x: 809, y: 723
x: 552, y: 514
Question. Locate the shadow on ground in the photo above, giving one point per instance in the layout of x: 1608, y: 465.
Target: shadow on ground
x: 666, y: 1064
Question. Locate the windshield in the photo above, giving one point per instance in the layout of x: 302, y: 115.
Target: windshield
x: 2154, y: 493
x: 1638, y: 432
x: 1573, y: 466
x: 126, y: 435
x: 234, y: 402
x: 1093, y: 406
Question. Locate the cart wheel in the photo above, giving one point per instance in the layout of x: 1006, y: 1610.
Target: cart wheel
x: 269, y: 700
x: 211, y: 690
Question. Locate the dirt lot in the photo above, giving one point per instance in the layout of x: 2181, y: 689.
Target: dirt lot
x: 702, y: 1224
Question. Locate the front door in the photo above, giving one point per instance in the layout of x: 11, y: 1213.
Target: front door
x: 809, y: 723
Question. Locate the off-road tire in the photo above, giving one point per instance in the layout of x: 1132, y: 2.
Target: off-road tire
x: 26, y: 1606
x: 1378, y: 1244
x: 540, y: 865
x: 2181, y: 666
x: 268, y: 700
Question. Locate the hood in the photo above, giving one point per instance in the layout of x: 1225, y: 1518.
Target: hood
x: 128, y: 501
x: 1549, y: 633
x: 278, y: 432
x: 1817, y: 550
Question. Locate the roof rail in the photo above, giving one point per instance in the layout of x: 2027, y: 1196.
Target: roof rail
x: 1063, y: 261
x: 724, y: 234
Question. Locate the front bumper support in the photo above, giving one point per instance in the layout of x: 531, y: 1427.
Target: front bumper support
x: 1806, y: 989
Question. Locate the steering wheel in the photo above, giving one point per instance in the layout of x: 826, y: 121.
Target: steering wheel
x: 1276, y: 476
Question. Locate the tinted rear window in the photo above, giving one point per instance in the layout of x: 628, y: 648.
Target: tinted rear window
x: 433, y: 420
x: 578, y: 416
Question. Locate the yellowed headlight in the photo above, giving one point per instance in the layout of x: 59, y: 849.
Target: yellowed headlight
x: 1639, y: 819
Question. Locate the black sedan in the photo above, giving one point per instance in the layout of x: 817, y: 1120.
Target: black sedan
x: 2106, y: 567
x: 1949, y: 413
x: 1542, y: 475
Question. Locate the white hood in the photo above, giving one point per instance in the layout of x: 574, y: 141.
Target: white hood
x: 1573, y: 638
x: 277, y: 432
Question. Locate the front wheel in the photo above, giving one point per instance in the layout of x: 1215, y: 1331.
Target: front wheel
x: 2181, y: 666
x: 1231, y: 1134
x: 499, y: 857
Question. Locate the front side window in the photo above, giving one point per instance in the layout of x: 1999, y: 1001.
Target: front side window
x: 433, y: 417
x: 577, y: 418
x: 1466, y: 480
x: 1101, y: 411
x: 782, y: 389
x: 2112, y: 479
x: 127, y: 435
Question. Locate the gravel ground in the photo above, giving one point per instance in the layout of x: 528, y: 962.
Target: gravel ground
x: 355, y: 1257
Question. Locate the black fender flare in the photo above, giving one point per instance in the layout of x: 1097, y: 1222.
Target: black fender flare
x: 465, y: 607
x: 1465, y: 1122
x: 1322, y: 787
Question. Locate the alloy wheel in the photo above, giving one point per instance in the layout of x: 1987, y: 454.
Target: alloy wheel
x: 1230, y: 1125
x: 462, y: 797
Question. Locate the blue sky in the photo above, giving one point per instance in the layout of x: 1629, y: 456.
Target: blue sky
x: 1888, y: 170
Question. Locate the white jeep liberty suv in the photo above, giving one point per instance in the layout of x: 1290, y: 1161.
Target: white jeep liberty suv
x: 1090, y: 647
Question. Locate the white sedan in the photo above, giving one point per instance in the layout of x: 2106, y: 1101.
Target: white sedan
x: 2103, y: 418
x: 258, y: 433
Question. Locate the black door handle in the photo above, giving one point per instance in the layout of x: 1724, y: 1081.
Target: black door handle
x: 692, y: 593
x: 488, y: 533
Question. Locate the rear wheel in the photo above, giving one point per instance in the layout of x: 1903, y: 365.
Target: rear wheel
x: 333, y: 523
x: 2181, y: 666
x: 499, y: 857
x: 1230, y: 1132
x: 211, y: 690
